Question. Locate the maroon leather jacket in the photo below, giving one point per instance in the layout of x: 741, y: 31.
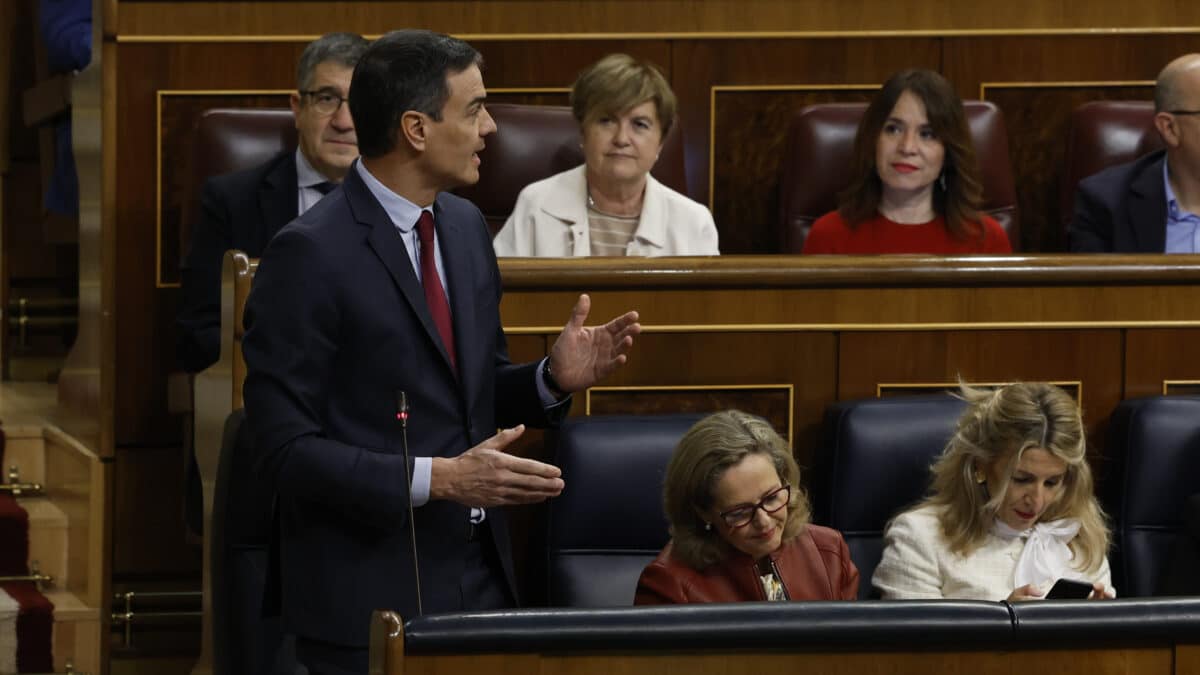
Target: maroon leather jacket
x: 815, y: 565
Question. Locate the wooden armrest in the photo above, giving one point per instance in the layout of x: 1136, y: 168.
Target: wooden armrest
x: 47, y: 99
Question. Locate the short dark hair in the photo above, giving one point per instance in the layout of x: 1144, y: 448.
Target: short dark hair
x: 342, y: 48
x: 961, y: 199
x: 401, y: 71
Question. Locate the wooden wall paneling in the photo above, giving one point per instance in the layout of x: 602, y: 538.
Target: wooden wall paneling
x: 1092, y: 357
x: 145, y: 315
x: 736, y: 99
x: 1153, y: 363
x: 1037, y: 80
x: 148, y: 536
x: 212, y: 17
x: 556, y: 63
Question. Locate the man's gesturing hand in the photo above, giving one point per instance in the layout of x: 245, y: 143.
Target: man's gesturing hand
x: 486, y: 476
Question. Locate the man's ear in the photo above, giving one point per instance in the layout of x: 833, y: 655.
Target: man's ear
x: 413, y: 128
x: 1165, y: 123
x: 294, y: 102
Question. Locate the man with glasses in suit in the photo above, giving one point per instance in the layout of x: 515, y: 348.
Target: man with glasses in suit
x: 244, y: 209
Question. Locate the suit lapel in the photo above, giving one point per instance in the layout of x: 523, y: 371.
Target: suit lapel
x: 279, y: 196
x: 460, y: 277
x: 384, y: 239
x: 1147, y: 208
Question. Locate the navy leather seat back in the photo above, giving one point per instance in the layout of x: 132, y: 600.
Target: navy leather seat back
x: 608, y: 524
x: 873, y: 463
x: 1155, y: 444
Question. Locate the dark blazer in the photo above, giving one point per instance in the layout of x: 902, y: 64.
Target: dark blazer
x: 240, y: 210
x: 336, y: 325
x: 1122, y: 209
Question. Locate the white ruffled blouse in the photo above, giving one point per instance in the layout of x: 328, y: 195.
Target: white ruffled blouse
x: 917, y: 562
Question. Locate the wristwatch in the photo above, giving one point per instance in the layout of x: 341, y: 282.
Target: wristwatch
x: 548, y: 380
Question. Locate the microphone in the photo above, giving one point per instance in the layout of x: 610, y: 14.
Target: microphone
x: 402, y: 417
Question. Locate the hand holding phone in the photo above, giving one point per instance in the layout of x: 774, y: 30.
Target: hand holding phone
x: 1067, y: 589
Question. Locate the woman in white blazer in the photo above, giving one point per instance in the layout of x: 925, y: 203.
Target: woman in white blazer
x: 1012, y: 508
x: 611, y: 205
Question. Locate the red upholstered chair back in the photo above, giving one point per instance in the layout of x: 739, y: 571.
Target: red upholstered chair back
x: 816, y: 167
x: 536, y: 142
x: 1104, y: 134
x: 231, y: 139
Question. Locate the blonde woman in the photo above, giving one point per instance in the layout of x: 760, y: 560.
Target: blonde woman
x: 1011, y: 510
x: 739, y: 523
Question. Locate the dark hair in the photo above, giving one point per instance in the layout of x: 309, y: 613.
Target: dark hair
x: 960, y: 201
x: 401, y: 71
x: 342, y: 48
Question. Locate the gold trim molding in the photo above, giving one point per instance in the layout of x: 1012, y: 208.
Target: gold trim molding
x: 789, y: 388
x: 703, y: 35
x: 872, y: 327
x: 1168, y: 384
x: 931, y: 387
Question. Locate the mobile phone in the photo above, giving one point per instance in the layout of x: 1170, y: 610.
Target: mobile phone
x: 1066, y: 589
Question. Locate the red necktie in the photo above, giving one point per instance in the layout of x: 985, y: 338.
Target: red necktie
x: 435, y: 295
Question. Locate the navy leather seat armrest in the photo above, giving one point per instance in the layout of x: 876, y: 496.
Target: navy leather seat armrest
x: 800, y: 625
x: 1122, y: 620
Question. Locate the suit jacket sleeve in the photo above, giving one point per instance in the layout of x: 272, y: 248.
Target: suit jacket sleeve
x: 847, y: 573
x: 199, y: 318
x: 909, y: 567
x: 285, y: 390
x: 1091, y: 228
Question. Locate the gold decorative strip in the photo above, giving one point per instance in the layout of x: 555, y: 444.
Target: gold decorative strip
x: 790, y: 389
x: 898, y: 387
x: 712, y: 114
x: 871, y: 327
x: 703, y: 35
x: 1180, y: 387
x: 160, y: 94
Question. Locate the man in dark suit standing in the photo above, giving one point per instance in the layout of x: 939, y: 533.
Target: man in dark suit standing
x: 389, y: 289
x: 244, y: 209
x: 1150, y: 205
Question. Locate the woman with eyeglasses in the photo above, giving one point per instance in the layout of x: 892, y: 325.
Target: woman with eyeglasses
x: 739, y: 523
x: 1011, y: 511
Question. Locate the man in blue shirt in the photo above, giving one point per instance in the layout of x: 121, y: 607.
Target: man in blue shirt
x: 1150, y: 205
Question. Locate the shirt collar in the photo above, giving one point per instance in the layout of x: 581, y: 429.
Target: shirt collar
x: 306, y: 175
x: 403, y: 213
x: 1174, y: 213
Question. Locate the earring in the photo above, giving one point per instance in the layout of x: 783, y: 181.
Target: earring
x: 942, y: 181
x: 707, y: 527
x: 980, y: 477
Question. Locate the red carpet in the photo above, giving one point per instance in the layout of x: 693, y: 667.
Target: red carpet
x: 35, y: 619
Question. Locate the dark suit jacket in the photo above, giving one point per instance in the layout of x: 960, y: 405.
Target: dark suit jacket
x: 240, y: 210
x: 336, y: 324
x: 1122, y: 209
